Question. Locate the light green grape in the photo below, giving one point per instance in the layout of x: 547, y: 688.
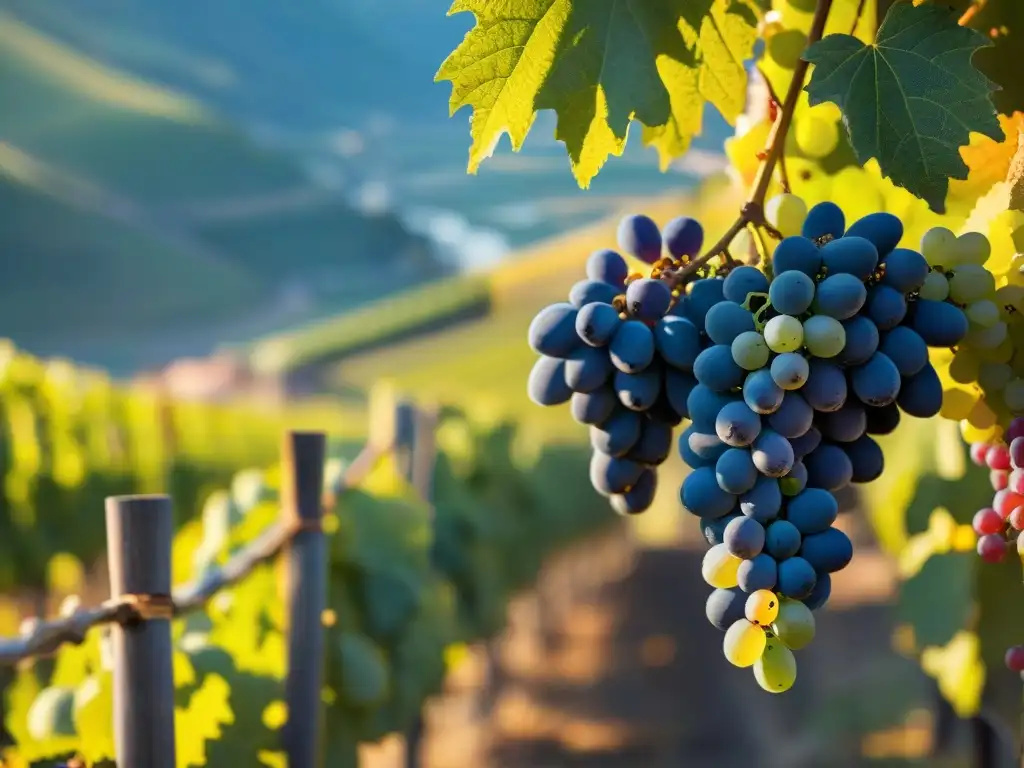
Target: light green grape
x: 965, y: 366
x: 994, y: 376
x: 816, y: 136
x: 719, y: 567
x: 936, y: 287
x: 983, y: 313
x: 786, y: 213
x: 52, y: 714
x: 987, y: 338
x: 795, y: 624
x: 744, y: 643
x: 785, y: 48
x: 761, y: 607
x: 938, y: 246
x: 784, y: 333
x: 1001, y: 353
x: 750, y: 351
x: 824, y: 336
x: 971, y: 282
x: 775, y: 671
x: 1013, y: 395
x: 973, y: 248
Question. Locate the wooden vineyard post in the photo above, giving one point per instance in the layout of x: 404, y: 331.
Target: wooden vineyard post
x: 139, y: 534
x: 302, y: 478
x: 415, y: 452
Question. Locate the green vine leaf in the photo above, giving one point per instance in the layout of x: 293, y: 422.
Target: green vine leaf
x: 599, y: 65
x: 912, y: 99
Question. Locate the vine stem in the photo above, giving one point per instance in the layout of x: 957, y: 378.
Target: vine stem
x: 752, y: 211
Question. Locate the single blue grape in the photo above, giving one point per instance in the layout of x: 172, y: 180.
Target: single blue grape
x: 805, y: 443
x: 632, y: 347
x: 886, y: 307
x: 828, y: 552
x: 647, y: 299
x: 639, y: 391
x: 703, y: 295
x: 587, y: 369
x: 553, y: 331
x: 782, y: 540
x: 828, y: 467
x: 608, y: 267
x: 846, y: 424
x: 884, y: 420
x: 596, y: 323
x: 654, y: 445
x: 744, y: 538
x: 876, y: 382
x: 699, y: 449
x: 821, y: 592
x: 742, y: 281
x: 713, y: 529
x: 715, y: 369
x: 793, y: 417
x: 725, y: 607
x: 640, y: 237
x: 882, y: 229
x: 905, y: 270
x: 761, y: 393
x: 683, y: 237
x: 850, y: 255
x: 678, y: 386
x: 907, y: 350
x: 812, y: 511
x: 790, y: 370
x: 735, y: 471
x: 677, y: 341
x: 610, y: 474
x: 921, y: 394
x: 861, y: 341
x: 939, y: 323
x: 794, y: 481
x: 772, y: 454
x: 590, y: 291
x: 758, y: 573
x: 639, y: 497
x: 763, y: 501
x: 866, y: 458
x: 727, y: 320
x: 796, y: 578
x: 546, y: 385
x: 791, y: 293
x: 796, y: 253
x: 701, y: 496
x: 840, y: 296
x: 737, y: 425
x: 593, y: 407
x: 704, y: 404
x: 825, y: 389
x: 617, y: 434
x: 824, y: 219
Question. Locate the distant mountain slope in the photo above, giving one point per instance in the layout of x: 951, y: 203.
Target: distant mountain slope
x: 108, y: 185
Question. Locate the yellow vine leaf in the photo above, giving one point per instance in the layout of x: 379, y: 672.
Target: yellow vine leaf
x: 988, y: 162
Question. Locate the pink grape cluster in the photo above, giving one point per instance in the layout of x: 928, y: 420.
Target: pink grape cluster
x: 997, y: 526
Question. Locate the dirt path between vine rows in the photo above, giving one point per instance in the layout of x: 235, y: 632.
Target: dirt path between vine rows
x: 610, y: 663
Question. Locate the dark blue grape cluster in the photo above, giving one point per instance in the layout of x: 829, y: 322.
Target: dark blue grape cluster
x: 620, y: 354
x: 798, y: 374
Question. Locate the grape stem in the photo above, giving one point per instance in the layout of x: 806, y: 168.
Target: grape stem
x: 783, y: 171
x: 752, y: 211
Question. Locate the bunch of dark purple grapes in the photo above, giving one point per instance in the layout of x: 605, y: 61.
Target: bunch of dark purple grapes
x: 620, y: 354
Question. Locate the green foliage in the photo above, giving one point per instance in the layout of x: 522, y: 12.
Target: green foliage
x: 600, y: 65
x: 911, y: 99
x: 399, y: 606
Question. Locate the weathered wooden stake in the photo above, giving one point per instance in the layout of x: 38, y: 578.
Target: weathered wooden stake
x: 302, y: 479
x: 139, y: 534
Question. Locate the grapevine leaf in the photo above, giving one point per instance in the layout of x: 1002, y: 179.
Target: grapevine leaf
x: 1015, y: 176
x: 599, y: 65
x: 912, y: 99
x: 988, y: 162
